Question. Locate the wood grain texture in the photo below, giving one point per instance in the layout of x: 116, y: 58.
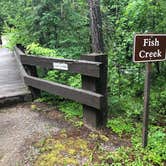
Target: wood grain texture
x: 11, y: 84
x: 96, y: 26
x: 75, y: 66
x: 92, y: 117
x: 79, y: 95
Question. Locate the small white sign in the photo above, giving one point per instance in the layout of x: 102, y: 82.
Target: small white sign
x: 60, y: 66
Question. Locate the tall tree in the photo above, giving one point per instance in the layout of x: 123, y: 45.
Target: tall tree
x: 96, y: 26
x: 92, y: 117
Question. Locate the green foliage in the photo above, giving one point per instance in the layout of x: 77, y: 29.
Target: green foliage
x: 62, y: 151
x: 158, y: 95
x: 153, y: 154
x: 157, y: 147
x: 64, y: 78
x: 52, y: 24
x: 36, y: 49
x: 17, y: 22
x: 126, y: 79
x: 71, y: 148
x: 71, y: 109
x: 120, y: 125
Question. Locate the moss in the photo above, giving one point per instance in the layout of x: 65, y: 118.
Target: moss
x: 104, y: 138
x: 71, y: 148
x: 33, y: 107
x: 64, y: 151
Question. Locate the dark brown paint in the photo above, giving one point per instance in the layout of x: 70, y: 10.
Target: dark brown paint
x: 139, y: 45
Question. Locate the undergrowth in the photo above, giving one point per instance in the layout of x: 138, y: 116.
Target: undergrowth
x: 71, y: 109
x: 70, y: 150
x: 153, y: 154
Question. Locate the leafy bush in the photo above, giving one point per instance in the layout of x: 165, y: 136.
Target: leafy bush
x: 153, y: 154
x: 36, y: 49
x: 158, y: 96
x: 64, y: 78
x: 120, y: 125
x: 71, y: 109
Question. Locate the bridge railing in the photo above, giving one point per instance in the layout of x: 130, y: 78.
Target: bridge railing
x: 93, y: 95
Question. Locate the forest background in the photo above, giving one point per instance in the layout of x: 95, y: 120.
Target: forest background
x: 61, y: 29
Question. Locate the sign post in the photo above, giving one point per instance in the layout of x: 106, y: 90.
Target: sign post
x: 148, y: 48
x: 146, y: 104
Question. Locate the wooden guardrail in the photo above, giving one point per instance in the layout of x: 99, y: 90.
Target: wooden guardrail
x: 93, y: 69
x: 75, y: 66
x: 83, y: 96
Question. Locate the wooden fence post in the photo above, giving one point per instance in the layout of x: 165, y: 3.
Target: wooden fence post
x: 32, y: 71
x: 93, y: 117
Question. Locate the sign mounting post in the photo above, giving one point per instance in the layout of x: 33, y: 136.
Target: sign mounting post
x: 148, y: 48
x: 146, y: 105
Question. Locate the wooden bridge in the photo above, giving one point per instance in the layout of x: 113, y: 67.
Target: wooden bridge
x: 12, y: 86
x: 19, y: 81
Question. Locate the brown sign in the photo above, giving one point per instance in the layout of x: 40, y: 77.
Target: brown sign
x: 149, y: 47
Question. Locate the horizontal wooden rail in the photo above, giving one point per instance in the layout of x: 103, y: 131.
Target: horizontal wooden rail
x: 82, y: 96
x: 17, y: 52
x: 93, y: 95
x: 75, y: 66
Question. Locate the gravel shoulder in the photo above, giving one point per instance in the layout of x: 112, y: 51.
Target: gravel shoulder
x: 19, y: 127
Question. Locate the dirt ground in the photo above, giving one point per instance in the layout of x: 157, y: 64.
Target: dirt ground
x: 20, y: 128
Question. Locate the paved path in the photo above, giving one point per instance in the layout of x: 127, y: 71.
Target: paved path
x: 11, y: 84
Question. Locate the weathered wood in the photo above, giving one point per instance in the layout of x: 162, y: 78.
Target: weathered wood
x: 74, y: 66
x: 146, y: 105
x: 93, y: 117
x: 83, y: 96
x: 32, y: 71
x: 9, y: 91
x: 96, y: 26
x: 22, y: 97
x: 17, y: 53
x: 11, y: 84
x: 27, y: 69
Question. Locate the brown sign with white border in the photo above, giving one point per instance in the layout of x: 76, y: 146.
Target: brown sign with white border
x: 149, y: 47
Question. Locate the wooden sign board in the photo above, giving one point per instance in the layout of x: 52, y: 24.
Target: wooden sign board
x: 149, y: 47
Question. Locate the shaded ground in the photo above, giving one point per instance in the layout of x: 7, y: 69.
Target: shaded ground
x: 19, y: 127
x: 21, y: 130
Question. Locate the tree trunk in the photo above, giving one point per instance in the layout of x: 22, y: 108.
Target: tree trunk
x: 96, y: 26
x: 96, y: 117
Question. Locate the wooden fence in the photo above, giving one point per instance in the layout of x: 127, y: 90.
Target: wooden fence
x: 93, y: 95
